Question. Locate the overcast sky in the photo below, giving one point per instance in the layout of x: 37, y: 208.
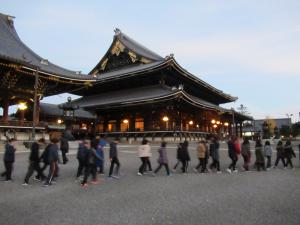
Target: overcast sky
x: 249, y: 49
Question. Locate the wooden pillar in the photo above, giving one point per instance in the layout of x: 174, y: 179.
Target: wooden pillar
x: 118, y: 125
x: 236, y: 130
x: 241, y: 130
x: 5, y: 109
x: 22, y: 116
x: 37, y: 115
x: 132, y: 123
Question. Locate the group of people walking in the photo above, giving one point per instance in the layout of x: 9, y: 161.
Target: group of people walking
x: 90, y: 156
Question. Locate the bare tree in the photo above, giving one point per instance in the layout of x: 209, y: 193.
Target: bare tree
x: 243, y: 110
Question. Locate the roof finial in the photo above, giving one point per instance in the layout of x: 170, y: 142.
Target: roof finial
x: 117, y: 31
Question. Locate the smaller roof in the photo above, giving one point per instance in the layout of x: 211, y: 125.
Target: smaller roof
x: 123, y: 97
x: 54, y: 111
x: 142, y: 95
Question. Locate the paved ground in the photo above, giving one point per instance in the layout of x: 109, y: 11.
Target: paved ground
x: 267, y: 198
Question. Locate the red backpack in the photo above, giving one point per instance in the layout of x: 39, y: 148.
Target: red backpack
x: 237, y: 147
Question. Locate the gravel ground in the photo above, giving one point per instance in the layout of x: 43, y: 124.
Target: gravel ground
x: 244, y: 198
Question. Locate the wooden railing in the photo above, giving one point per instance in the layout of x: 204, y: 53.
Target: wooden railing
x: 16, y: 124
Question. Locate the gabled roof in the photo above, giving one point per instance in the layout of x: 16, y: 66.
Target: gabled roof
x: 167, y: 62
x: 141, y: 95
x: 123, y: 43
x: 136, y: 47
x: 13, y: 49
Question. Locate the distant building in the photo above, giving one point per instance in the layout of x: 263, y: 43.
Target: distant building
x: 256, y: 127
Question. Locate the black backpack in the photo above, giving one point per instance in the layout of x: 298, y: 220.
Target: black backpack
x: 45, y: 155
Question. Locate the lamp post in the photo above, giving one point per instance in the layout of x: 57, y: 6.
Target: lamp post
x: 290, y: 124
x: 35, y: 99
x: 234, y: 130
x: 69, y: 115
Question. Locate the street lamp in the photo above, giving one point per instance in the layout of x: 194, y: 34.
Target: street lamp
x: 126, y: 121
x: 69, y: 114
x: 213, y: 121
x: 22, y: 107
x: 166, y: 119
x: 191, y: 122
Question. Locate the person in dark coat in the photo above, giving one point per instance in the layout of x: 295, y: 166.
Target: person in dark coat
x: 178, y: 154
x: 299, y: 154
x: 81, y: 157
x: 53, y: 159
x: 34, y: 161
x: 214, y: 153
x: 162, y: 159
x: 90, y: 167
x: 232, y: 153
x: 64, y: 147
x: 184, y: 156
x: 280, y: 154
x: 260, y: 160
x: 113, y: 156
x: 246, y: 154
x: 289, y: 154
x: 9, y: 159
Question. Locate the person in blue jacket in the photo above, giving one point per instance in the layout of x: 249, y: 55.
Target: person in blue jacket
x: 100, y: 152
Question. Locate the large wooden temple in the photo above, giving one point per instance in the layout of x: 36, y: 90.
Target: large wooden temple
x: 139, y: 92
x: 132, y: 91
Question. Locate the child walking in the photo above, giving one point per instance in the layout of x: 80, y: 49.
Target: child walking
x: 280, y: 154
x: 113, y: 156
x: 268, y: 154
x: 162, y: 159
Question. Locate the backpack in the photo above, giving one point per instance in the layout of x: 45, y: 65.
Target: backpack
x: 45, y: 155
x: 81, y: 154
x: 237, y: 147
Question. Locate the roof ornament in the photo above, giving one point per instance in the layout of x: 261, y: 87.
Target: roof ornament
x: 45, y: 62
x: 78, y: 72
x: 117, y: 31
x: 180, y: 87
x: 10, y: 20
x: 169, y: 56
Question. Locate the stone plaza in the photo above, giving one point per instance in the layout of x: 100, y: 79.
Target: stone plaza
x: 244, y: 198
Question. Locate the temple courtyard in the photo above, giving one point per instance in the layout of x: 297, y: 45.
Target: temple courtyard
x: 245, y: 198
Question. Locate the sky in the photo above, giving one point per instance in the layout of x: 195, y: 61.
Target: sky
x: 249, y: 49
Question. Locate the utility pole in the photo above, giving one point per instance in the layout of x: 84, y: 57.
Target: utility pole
x: 35, y: 102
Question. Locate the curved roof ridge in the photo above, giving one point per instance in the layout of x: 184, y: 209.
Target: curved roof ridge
x: 205, y: 84
x: 136, y: 46
x: 12, y: 47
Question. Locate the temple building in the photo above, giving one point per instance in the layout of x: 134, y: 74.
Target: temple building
x: 132, y: 91
x: 141, y: 93
x: 25, y: 78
